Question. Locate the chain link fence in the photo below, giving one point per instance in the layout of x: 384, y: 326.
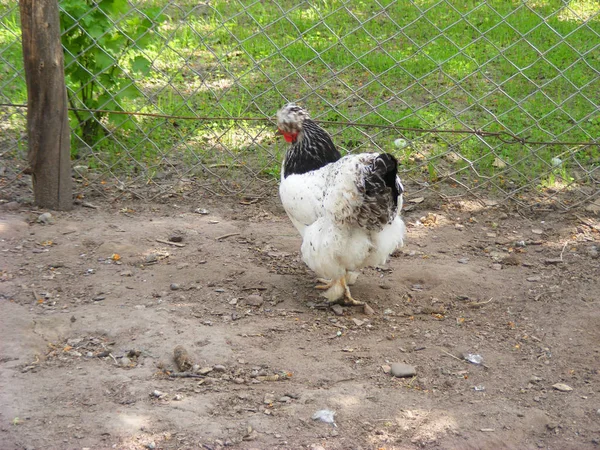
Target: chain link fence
x: 432, y: 69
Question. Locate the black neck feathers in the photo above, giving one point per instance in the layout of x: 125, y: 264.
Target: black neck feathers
x: 312, y: 150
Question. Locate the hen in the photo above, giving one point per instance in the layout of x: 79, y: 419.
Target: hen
x: 346, y: 209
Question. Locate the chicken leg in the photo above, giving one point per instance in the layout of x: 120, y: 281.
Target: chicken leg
x: 337, y: 291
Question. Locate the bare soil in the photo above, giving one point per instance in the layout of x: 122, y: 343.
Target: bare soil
x: 92, y: 307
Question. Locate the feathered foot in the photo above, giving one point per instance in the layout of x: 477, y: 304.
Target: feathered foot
x: 348, y: 300
x: 326, y: 284
x: 337, y: 291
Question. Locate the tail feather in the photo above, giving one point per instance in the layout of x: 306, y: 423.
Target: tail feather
x: 383, y: 174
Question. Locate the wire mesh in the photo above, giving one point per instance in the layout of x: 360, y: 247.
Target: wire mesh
x: 530, y: 68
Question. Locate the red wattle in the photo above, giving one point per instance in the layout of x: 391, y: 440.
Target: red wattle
x: 289, y: 137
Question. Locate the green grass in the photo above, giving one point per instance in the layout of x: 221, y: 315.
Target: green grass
x: 494, y: 65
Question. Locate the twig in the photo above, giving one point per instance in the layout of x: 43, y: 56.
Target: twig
x: 35, y: 295
x: 451, y: 355
x: 222, y: 166
x: 175, y: 244
x: 186, y: 375
x: 114, y: 359
x: 226, y: 236
x: 252, y: 288
x: 478, y: 304
x: 563, y: 250
x: 68, y: 232
x: 89, y: 205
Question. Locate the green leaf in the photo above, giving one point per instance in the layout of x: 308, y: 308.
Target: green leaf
x: 140, y: 65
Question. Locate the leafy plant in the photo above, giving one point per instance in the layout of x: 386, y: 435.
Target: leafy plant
x: 102, y: 52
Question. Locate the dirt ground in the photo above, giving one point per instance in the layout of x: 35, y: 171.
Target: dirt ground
x: 93, y: 304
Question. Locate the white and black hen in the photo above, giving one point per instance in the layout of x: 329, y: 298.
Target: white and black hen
x: 346, y: 209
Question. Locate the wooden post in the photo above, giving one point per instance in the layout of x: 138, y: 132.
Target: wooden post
x: 47, y: 116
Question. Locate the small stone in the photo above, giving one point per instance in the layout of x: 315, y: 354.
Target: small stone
x: 201, y: 211
x: 385, y: 286
x: 511, y: 260
x: 254, y: 300
x: 12, y: 206
x: 219, y: 368
x: 157, y: 394
x: 99, y: 298
x: 401, y: 370
x: 126, y: 273
x: 338, y: 310
x: 497, y: 266
x: 125, y: 361
x: 358, y: 322
x: 175, y: 238
x: 535, y: 278
x: 151, y: 445
x: 368, y: 310
x: 206, y: 370
x: 45, y: 218
x: 562, y: 387
x: 178, y: 397
x: 593, y: 252
x: 284, y: 399
x: 535, y: 379
x: 537, y: 231
x: 140, y: 306
x: 269, y: 399
x: 175, y: 286
x: 463, y: 261
x: 81, y: 171
x: 386, y: 369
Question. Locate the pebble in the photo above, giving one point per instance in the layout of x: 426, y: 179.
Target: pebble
x: 269, y: 399
x: 401, y: 370
x: 99, y: 298
x: 358, y: 322
x: 497, y: 266
x: 45, y: 218
x: 140, y: 306
x: 385, y: 286
x: 175, y: 286
x: 151, y: 445
x: 157, y: 393
x: 511, y: 260
x: 125, y: 361
x: 178, y: 397
x: 338, y: 310
x: 176, y: 238
x: 386, y: 369
x: 463, y: 261
x: 593, y: 252
x: 532, y: 279
x: 12, y: 206
x: 254, y: 300
x: 562, y: 387
x: 368, y: 310
x: 219, y: 368
x: 206, y: 370
x: 537, y: 231
x: 284, y: 399
x: 126, y: 273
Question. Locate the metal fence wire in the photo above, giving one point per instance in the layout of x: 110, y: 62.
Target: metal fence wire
x: 528, y: 68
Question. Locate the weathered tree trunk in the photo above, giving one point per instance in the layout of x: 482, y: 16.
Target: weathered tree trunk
x: 47, y: 115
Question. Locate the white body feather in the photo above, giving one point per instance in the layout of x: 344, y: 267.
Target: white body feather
x: 321, y: 203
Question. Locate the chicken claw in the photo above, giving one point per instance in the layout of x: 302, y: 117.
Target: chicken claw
x: 326, y: 284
